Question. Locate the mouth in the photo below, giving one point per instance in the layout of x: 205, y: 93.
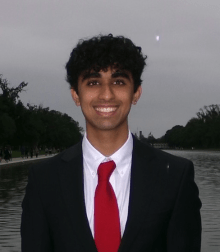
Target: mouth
x: 106, y: 111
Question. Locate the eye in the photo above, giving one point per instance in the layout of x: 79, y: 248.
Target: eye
x: 119, y: 82
x: 92, y: 83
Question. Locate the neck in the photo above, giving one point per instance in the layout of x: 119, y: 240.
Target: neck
x: 107, y: 142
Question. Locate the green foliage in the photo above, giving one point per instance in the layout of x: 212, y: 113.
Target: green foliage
x: 33, y: 125
x: 7, y: 127
x: 200, y: 132
x: 174, y: 136
x: 11, y: 93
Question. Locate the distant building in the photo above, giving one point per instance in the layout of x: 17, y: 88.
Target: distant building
x: 140, y: 135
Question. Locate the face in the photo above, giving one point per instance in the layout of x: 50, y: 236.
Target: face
x: 105, y: 98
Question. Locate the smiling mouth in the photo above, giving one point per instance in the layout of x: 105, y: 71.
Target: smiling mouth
x: 105, y: 109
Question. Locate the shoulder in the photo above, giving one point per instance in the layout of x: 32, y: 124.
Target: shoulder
x: 145, y: 151
x: 53, y: 164
x: 177, y: 172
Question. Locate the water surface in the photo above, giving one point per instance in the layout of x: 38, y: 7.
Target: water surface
x: 207, y: 177
x: 13, y: 181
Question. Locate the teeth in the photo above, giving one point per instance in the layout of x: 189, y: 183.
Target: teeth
x: 106, y: 110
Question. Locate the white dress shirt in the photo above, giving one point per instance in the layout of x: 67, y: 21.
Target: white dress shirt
x: 120, y: 178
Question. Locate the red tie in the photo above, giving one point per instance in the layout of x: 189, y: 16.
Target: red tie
x: 106, y: 214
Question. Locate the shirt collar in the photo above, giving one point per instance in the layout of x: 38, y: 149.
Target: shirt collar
x: 122, y: 157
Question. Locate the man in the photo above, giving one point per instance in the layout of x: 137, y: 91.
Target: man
x: 110, y: 192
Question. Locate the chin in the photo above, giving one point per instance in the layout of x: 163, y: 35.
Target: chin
x: 105, y: 126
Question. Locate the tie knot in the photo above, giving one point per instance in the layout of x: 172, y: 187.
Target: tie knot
x: 105, y: 170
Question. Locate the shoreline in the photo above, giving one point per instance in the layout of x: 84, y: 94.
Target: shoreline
x: 208, y: 150
x: 20, y: 160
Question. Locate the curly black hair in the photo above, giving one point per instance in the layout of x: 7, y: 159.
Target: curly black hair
x: 101, y: 52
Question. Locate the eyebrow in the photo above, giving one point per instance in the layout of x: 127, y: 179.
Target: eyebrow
x: 98, y: 75
x: 120, y: 74
x: 91, y: 75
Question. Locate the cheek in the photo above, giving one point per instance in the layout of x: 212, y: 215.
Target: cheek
x: 86, y: 99
x: 86, y: 103
x: 88, y: 96
x: 126, y: 98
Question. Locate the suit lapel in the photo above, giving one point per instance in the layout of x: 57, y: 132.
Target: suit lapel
x: 144, y: 176
x: 72, y: 186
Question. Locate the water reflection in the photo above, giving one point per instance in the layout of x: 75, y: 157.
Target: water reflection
x: 13, y: 181
x: 207, y: 167
x: 207, y: 176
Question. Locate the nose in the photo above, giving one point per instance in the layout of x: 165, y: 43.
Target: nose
x: 106, y: 92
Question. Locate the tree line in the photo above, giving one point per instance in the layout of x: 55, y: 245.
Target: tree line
x: 202, y: 131
x: 33, y: 125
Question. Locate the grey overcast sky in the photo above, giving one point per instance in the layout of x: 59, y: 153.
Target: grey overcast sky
x: 183, y: 67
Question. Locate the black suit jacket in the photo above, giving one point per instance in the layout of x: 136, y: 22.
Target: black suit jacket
x: 163, y: 214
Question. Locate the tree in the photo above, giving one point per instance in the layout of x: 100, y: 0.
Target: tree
x: 200, y: 132
x: 11, y: 93
x: 174, y: 136
x: 33, y: 125
x: 7, y: 128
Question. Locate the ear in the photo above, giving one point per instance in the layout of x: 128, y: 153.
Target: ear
x: 75, y: 97
x: 137, y: 95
